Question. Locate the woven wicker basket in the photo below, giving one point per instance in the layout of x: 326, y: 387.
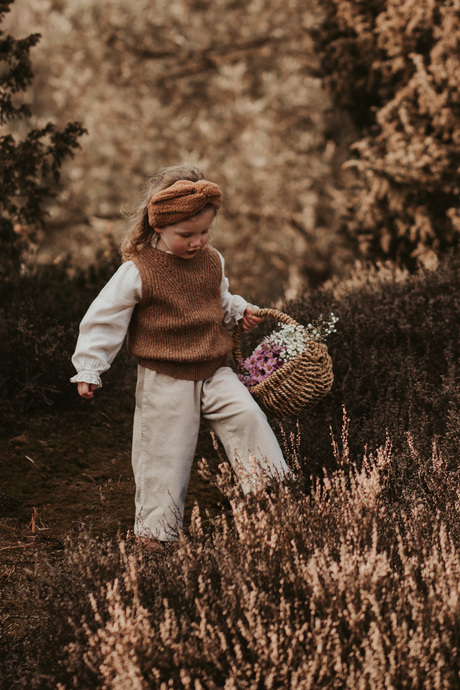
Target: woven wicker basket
x: 299, y: 383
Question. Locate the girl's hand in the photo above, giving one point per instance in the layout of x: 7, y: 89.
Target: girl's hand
x: 86, y: 390
x: 250, y: 321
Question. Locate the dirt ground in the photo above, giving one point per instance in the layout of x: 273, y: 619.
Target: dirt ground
x: 62, y: 473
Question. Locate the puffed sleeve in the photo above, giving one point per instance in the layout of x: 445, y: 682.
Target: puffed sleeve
x: 105, y: 324
x: 233, y: 305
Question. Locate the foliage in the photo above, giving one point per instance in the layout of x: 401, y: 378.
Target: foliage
x: 346, y: 575
x: 39, y: 317
x: 31, y: 165
x: 238, y: 89
x: 395, y: 66
x: 395, y: 357
x: 335, y: 587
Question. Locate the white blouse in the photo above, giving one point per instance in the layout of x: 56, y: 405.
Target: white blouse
x: 105, y: 324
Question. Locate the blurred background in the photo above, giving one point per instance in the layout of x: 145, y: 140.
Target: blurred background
x: 332, y: 127
x: 233, y: 87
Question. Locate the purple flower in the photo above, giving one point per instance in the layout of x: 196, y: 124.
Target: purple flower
x: 261, y: 363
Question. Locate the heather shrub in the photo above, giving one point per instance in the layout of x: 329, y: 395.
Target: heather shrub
x: 326, y: 588
x: 395, y: 356
x: 345, y: 576
x: 39, y: 316
x: 395, y: 67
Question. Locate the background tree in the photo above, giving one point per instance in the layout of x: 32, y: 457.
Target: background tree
x: 395, y: 66
x: 30, y: 165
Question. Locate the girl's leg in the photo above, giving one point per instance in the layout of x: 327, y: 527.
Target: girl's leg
x: 165, y: 433
x: 243, y: 429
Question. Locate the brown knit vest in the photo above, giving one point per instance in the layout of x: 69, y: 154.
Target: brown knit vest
x: 177, y: 327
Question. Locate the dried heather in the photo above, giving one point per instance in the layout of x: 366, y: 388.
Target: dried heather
x: 337, y: 586
x: 347, y: 575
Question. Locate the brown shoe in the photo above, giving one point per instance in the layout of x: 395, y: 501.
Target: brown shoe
x: 148, y: 544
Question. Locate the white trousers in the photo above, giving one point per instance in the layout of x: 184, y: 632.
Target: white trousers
x: 165, y: 435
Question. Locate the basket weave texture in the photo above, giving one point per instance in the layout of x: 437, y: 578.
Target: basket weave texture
x: 299, y: 383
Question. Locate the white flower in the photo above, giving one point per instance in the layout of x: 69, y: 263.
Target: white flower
x: 293, y: 339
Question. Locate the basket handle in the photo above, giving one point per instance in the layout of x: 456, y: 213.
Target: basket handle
x: 270, y: 313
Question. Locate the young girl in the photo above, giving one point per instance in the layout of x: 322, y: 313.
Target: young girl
x: 171, y: 298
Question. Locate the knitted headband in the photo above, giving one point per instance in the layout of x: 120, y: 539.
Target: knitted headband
x: 182, y: 200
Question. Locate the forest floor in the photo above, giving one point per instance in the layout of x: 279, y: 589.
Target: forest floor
x: 63, y: 473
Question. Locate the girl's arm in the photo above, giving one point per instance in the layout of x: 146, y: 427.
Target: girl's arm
x: 104, y: 327
x: 234, y: 306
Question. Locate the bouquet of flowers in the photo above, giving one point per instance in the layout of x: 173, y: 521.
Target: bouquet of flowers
x: 281, y: 346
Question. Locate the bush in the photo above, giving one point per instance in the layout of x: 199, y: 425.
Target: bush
x: 395, y: 356
x: 347, y: 576
x: 333, y: 588
x: 39, y: 320
x: 30, y: 166
x: 395, y: 67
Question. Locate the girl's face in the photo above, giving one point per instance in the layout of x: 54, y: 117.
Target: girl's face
x: 185, y: 239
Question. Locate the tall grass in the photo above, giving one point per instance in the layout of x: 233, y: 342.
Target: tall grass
x: 346, y: 576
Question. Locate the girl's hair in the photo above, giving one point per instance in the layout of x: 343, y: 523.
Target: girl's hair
x: 141, y: 232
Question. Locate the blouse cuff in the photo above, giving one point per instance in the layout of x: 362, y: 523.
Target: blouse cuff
x: 87, y: 377
x: 240, y: 310
x: 234, y: 311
